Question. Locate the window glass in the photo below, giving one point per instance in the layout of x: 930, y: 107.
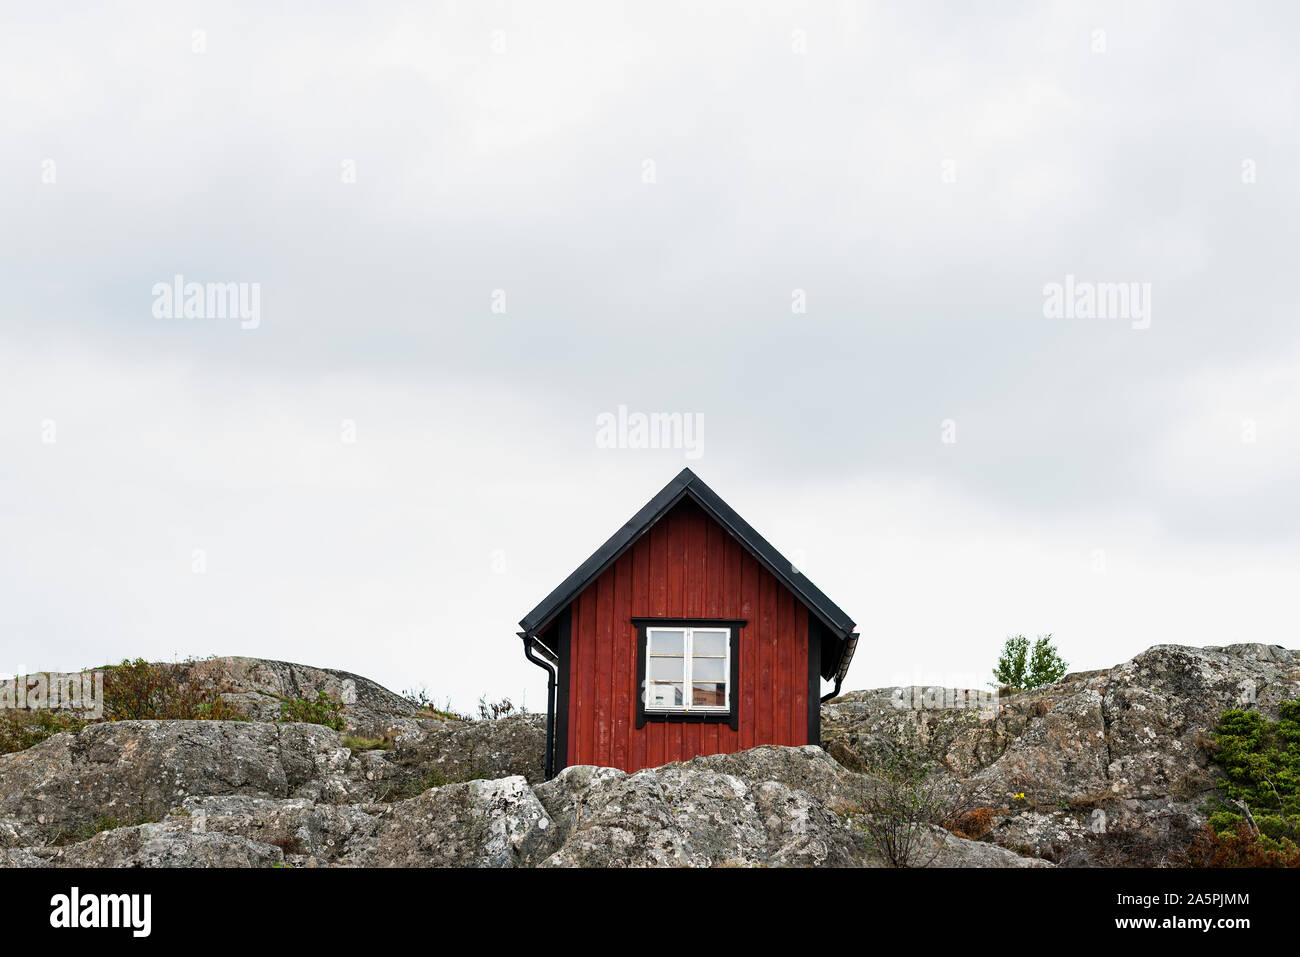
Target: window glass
x: 664, y: 642
x: 663, y: 695
x: 709, y: 642
x: 687, y: 668
x: 666, y: 669
x: 708, y: 695
x: 708, y: 669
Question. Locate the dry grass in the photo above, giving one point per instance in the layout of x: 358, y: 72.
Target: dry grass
x: 976, y: 823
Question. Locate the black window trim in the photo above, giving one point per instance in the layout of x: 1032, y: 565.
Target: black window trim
x: 730, y: 717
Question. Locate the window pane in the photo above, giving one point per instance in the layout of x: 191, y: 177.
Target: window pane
x: 708, y: 694
x: 710, y: 642
x: 666, y: 642
x: 708, y: 669
x: 664, y: 695
x: 666, y: 669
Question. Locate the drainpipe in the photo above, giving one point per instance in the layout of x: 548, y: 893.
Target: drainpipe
x: 846, y: 656
x: 839, y: 680
x: 550, y: 698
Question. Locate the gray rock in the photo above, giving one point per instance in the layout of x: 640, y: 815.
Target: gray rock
x: 861, y: 727
x: 259, y: 687
x: 15, y: 832
x: 1107, y: 767
x: 769, y: 806
x: 1130, y: 741
x: 307, y: 833
x: 765, y: 807
x: 471, y: 824
x: 1059, y: 757
x: 938, y: 848
x: 465, y: 750
x: 150, y: 845
x: 129, y: 772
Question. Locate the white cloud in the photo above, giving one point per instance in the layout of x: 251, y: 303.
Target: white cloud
x: 521, y: 170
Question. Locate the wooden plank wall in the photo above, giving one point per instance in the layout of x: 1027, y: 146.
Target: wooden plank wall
x: 686, y: 566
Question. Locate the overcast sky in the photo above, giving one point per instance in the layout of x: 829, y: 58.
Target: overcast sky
x: 824, y: 231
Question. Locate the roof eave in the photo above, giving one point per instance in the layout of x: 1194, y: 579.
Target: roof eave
x: 631, y: 530
x: 687, y: 483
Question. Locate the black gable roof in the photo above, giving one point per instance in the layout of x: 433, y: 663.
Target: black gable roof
x: 689, y: 485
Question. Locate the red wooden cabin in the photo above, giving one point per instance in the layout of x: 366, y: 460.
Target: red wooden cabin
x: 686, y: 633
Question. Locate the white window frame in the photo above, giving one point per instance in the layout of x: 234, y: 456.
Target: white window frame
x: 688, y: 659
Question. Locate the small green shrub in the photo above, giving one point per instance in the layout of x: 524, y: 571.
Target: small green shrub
x: 324, y: 709
x: 900, y: 803
x: 20, y: 730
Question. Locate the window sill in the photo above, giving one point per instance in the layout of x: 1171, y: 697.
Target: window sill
x: 722, y: 717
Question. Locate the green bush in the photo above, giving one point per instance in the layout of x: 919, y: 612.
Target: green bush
x: 1261, y: 762
x: 20, y: 730
x: 133, y: 690
x: 325, y: 709
x: 140, y: 690
x: 1022, y: 667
